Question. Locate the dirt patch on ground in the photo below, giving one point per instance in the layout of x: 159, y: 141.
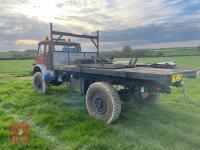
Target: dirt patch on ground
x: 2, y: 75
x: 24, y: 78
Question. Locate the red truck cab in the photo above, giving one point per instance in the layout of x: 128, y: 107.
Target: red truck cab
x: 46, y: 47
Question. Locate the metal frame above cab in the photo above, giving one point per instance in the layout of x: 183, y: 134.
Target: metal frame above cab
x: 94, y: 39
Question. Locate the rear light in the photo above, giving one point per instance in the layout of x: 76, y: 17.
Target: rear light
x: 176, y: 78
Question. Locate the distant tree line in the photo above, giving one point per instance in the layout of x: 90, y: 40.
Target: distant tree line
x: 28, y: 54
x: 198, y: 48
x: 128, y: 52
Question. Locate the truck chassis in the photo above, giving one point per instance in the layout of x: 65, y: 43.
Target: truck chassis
x: 104, y: 82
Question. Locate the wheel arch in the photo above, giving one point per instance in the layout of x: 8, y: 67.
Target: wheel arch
x: 46, y: 73
x: 36, y: 69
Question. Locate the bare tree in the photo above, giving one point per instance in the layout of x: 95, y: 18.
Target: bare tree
x: 127, y: 49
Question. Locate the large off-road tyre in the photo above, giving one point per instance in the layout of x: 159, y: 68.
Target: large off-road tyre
x: 40, y: 86
x: 103, y: 102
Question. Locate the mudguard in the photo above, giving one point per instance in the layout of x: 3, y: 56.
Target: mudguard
x: 46, y: 73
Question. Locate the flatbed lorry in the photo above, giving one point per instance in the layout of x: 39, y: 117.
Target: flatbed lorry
x: 104, y: 82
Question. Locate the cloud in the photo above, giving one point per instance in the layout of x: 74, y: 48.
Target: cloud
x: 29, y: 42
x: 132, y: 21
x: 104, y: 14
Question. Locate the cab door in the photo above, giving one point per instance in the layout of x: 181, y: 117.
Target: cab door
x: 42, y: 56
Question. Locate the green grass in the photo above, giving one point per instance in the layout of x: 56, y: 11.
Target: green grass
x: 16, y: 68
x: 185, y: 61
x: 168, y: 52
x: 60, y: 120
x: 177, y: 51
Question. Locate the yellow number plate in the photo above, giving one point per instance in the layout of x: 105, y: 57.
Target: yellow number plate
x: 176, y: 78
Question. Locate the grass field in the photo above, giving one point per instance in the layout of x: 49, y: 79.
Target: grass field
x: 60, y: 120
x: 168, y: 52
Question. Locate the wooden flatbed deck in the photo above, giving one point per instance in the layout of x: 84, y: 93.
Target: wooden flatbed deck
x: 161, y: 75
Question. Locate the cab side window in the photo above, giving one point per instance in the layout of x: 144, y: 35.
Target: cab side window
x: 42, y: 49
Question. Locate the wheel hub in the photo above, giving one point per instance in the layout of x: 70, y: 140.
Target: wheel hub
x: 38, y: 84
x: 100, y: 106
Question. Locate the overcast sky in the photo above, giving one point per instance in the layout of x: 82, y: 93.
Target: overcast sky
x: 139, y: 23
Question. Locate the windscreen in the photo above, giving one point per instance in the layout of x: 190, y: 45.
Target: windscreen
x: 67, y: 48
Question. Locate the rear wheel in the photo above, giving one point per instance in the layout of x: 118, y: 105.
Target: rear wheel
x: 150, y: 99
x: 103, y: 102
x: 39, y: 84
x: 145, y: 95
x: 126, y: 95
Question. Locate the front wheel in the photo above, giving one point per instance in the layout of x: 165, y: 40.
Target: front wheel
x: 103, y: 102
x: 40, y: 86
